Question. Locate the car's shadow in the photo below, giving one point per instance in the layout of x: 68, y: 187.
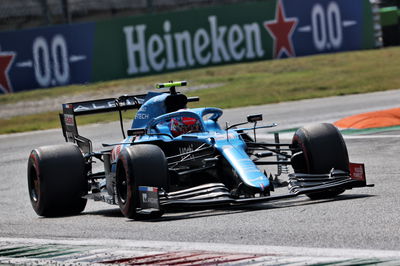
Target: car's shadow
x: 194, y: 213
x: 115, y: 212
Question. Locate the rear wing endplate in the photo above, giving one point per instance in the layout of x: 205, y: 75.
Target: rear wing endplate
x: 71, y: 110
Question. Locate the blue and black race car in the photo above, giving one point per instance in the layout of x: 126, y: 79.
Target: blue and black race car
x: 175, y: 157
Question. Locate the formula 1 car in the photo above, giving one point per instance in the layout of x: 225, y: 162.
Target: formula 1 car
x: 174, y: 157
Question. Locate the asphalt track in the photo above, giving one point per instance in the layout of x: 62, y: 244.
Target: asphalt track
x: 366, y: 218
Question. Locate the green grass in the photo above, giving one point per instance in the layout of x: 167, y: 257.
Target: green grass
x: 29, y: 123
x: 244, y: 84
x: 51, y: 120
x: 306, y: 77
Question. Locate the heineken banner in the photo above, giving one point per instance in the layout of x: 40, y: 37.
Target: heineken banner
x: 141, y: 45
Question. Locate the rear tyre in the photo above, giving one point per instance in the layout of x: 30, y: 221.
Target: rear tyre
x: 318, y: 149
x: 56, y: 180
x: 139, y: 165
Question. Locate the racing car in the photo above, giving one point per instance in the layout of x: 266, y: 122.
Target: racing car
x: 177, y: 157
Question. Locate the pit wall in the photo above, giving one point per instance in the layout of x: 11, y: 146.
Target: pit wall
x: 140, y: 45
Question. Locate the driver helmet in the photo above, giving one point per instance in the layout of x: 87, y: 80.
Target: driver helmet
x: 184, y: 125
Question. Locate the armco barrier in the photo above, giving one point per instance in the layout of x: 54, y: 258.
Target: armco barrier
x: 134, y: 46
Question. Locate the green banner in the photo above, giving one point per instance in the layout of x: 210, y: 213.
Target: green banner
x: 180, y: 40
x: 141, y: 45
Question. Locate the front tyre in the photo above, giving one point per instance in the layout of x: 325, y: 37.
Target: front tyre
x: 139, y: 165
x: 319, y: 148
x: 56, y: 180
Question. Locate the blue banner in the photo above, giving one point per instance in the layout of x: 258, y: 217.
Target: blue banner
x: 325, y: 26
x: 46, y: 57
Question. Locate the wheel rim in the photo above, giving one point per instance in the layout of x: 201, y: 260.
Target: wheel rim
x: 122, y: 187
x: 34, y: 185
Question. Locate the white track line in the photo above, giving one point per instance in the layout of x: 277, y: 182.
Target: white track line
x: 289, y: 136
x: 97, y: 250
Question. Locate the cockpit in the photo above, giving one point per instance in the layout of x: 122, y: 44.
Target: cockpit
x: 186, y: 122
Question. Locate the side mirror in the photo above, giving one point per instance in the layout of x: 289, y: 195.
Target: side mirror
x: 254, y: 118
x: 136, y: 132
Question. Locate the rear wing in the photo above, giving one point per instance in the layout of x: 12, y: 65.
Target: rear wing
x: 124, y: 102
x: 71, y: 110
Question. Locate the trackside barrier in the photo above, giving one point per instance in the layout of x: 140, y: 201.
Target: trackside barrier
x: 376, y: 18
x: 141, y: 45
x: 389, y: 17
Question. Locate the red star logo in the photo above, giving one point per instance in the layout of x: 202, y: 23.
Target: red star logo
x: 6, y: 60
x: 281, y: 29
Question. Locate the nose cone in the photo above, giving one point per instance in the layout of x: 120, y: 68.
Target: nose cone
x: 251, y: 176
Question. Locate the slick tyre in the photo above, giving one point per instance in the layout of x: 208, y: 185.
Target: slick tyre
x: 139, y: 165
x: 56, y: 180
x: 319, y: 148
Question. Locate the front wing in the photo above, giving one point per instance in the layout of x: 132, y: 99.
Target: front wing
x: 216, y: 194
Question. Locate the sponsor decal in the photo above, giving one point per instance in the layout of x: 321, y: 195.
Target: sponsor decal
x: 189, y: 148
x: 142, y: 116
x: 69, y: 120
x: 50, y: 61
x: 143, y: 188
x: 45, y: 57
x: 149, y: 197
x: 115, y: 152
x: 94, y: 106
x: 104, y: 104
x: 6, y: 61
x: 281, y: 29
x: 357, y: 171
x: 175, y: 50
x: 329, y: 26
